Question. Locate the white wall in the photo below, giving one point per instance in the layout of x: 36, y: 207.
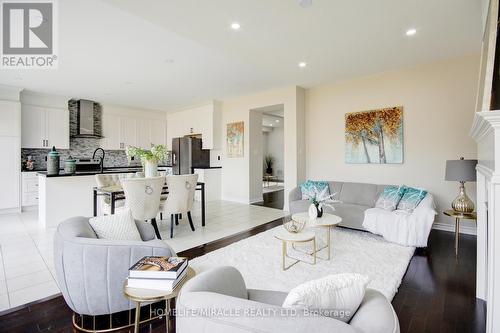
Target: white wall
x: 438, y: 102
x: 256, y: 148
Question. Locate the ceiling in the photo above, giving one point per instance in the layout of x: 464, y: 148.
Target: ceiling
x: 167, y: 54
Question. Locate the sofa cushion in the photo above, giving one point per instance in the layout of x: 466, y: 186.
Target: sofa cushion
x: 411, y: 198
x: 120, y: 226
x: 352, y: 215
x: 359, y: 193
x: 337, y: 296
x: 390, y: 197
x: 310, y: 188
x: 335, y: 187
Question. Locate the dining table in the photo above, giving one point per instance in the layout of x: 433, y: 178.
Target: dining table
x: 116, y: 193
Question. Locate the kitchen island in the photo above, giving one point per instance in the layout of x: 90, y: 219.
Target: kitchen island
x: 63, y: 196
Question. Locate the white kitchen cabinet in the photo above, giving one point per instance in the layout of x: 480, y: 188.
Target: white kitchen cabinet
x: 10, y: 173
x: 111, y: 132
x: 128, y: 132
x: 10, y: 118
x: 212, y: 177
x: 43, y: 127
x: 158, y: 132
x: 144, y: 133
x: 29, y: 185
x: 57, y: 128
x: 204, y: 120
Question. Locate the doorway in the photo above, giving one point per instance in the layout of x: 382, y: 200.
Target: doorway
x: 268, y: 166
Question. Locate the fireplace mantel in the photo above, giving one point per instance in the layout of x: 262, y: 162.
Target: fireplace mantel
x: 486, y: 132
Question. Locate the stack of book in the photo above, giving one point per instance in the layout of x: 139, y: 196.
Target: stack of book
x: 159, y: 273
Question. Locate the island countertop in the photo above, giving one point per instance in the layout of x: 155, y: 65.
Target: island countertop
x: 107, y: 170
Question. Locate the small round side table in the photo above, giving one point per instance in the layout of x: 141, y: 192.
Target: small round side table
x: 300, y: 237
x: 458, y: 217
x: 327, y: 221
x: 150, y: 296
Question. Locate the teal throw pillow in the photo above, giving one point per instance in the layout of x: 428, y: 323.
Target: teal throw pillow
x: 390, y: 197
x: 310, y: 188
x: 411, y: 199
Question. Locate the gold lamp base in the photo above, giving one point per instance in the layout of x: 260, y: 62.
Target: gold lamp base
x: 462, y: 204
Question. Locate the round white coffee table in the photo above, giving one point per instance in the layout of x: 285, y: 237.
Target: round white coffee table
x: 327, y: 221
x: 150, y: 296
x: 299, y: 237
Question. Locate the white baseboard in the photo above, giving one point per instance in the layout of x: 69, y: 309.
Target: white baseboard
x: 10, y: 211
x: 464, y: 229
x: 29, y: 208
x: 255, y: 200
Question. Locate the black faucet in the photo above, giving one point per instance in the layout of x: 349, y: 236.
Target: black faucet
x: 102, y: 157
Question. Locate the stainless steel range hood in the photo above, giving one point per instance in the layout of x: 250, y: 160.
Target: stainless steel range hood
x: 86, y: 121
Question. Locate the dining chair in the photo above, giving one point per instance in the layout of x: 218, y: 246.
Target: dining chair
x: 180, y: 199
x: 107, y: 180
x: 163, y: 197
x: 143, y: 198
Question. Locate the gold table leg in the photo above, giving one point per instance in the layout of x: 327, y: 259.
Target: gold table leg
x: 167, y: 314
x: 314, y: 251
x: 328, y: 241
x: 457, y: 235
x: 137, y: 317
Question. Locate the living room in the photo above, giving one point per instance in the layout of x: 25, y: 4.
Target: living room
x: 342, y: 180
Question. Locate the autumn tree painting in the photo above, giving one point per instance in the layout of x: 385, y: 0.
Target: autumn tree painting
x: 374, y: 136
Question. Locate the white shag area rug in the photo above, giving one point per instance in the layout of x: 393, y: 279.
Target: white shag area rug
x: 258, y: 258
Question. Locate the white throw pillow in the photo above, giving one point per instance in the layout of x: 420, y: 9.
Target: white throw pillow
x: 337, y: 296
x: 120, y: 226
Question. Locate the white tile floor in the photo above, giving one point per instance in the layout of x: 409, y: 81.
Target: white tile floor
x: 26, y: 260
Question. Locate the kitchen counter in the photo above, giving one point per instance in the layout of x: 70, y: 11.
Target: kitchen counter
x: 110, y: 170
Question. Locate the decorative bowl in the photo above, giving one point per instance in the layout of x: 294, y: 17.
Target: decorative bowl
x: 294, y: 226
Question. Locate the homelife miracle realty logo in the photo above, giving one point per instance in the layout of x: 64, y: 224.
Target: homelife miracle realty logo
x: 29, y: 34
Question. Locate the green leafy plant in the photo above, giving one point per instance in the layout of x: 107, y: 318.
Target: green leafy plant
x: 269, y: 161
x: 157, y: 153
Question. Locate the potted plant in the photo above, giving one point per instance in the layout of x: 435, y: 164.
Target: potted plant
x: 268, y: 162
x: 319, y: 200
x: 149, y: 158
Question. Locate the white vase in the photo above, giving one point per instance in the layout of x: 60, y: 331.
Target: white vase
x: 150, y: 169
x: 313, y: 213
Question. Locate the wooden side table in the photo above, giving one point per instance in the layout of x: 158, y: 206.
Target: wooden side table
x: 150, y: 296
x: 300, y: 237
x: 458, y: 217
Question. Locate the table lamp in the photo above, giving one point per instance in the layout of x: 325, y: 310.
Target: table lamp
x: 461, y: 171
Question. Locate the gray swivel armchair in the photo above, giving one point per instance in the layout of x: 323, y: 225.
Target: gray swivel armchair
x: 218, y: 301
x: 91, y: 271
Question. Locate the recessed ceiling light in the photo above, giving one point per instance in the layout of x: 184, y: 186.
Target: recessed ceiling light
x: 411, y: 32
x: 277, y: 120
x: 302, y: 64
x: 235, y: 26
x: 271, y: 125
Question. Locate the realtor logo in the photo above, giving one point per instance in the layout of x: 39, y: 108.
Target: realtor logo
x: 28, y: 34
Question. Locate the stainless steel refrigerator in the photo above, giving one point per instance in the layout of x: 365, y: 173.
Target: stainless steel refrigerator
x: 187, y: 153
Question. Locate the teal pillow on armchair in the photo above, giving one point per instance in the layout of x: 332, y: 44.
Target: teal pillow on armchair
x: 309, y: 188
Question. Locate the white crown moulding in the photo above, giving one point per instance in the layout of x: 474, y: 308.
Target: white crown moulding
x: 484, y: 122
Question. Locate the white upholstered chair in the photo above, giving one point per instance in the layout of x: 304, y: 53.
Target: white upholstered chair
x: 107, y: 180
x: 143, y: 198
x: 180, y: 198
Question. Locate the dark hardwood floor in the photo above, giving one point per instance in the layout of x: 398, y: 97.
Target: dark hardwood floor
x: 437, y: 293
x: 272, y: 199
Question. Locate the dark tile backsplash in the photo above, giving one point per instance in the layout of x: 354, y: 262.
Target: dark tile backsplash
x: 78, y: 147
